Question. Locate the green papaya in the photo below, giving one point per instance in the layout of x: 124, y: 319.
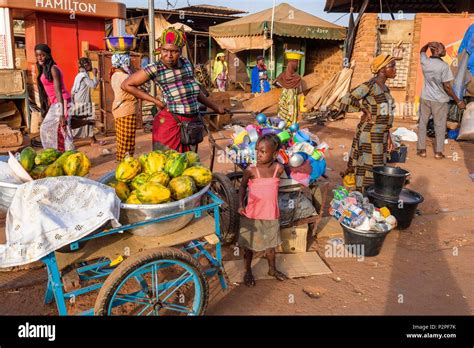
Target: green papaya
x: 38, y: 172
x: 27, y: 158
x: 54, y: 169
x: 47, y: 156
x: 176, y: 165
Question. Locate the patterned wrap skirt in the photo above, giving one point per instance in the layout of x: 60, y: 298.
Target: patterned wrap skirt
x: 126, y: 129
x: 288, y: 105
x: 369, y: 149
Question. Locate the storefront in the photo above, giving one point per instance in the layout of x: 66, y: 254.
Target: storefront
x: 69, y: 27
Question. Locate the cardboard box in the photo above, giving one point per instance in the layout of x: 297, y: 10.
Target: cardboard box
x: 10, y: 137
x: 294, y: 239
x: 10, y: 115
x: 11, y: 82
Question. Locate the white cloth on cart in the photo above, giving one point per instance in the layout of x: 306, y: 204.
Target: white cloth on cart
x: 50, y: 213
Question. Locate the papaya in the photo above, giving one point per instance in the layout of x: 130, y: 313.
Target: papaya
x: 54, y: 169
x: 84, y: 166
x: 142, y: 160
x: 160, y: 177
x: 175, y: 165
x: 182, y: 187
x: 128, y: 169
x: 38, y: 172
x: 122, y: 190
x: 153, y: 193
x: 154, y: 162
x: 27, y: 158
x: 62, y: 159
x: 169, y: 153
x: 47, y: 156
x: 201, y: 176
x: 132, y: 199
x: 139, y: 180
x: 192, y: 157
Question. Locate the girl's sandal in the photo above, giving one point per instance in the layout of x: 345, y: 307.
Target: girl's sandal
x: 249, y: 280
x: 278, y: 275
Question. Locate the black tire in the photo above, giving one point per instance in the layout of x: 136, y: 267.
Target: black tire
x: 236, y: 179
x: 229, y: 216
x: 121, y: 273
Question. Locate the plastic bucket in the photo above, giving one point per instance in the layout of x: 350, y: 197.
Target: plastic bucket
x: 403, y: 207
x: 367, y: 243
x: 389, y: 181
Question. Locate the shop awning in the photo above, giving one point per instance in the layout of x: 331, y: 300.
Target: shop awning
x: 242, y: 43
x: 288, y: 21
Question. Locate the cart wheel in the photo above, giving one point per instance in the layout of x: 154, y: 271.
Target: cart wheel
x: 236, y: 179
x: 229, y: 216
x: 163, y: 281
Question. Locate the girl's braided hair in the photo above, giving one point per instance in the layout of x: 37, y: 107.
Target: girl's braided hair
x: 272, y: 139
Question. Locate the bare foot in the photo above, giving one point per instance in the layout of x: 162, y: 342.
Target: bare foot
x: 277, y: 274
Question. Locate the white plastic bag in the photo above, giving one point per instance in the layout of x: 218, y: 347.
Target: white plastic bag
x: 467, y: 125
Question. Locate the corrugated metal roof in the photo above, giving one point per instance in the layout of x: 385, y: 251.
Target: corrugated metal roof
x: 407, y: 6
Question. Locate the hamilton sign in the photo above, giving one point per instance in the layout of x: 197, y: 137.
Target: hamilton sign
x: 67, y: 5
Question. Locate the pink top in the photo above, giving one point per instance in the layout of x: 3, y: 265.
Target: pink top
x: 49, y: 88
x: 262, y: 203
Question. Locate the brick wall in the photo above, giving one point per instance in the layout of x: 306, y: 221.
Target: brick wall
x: 364, y: 48
x: 324, y: 57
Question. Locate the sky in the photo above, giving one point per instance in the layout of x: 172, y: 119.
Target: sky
x: 315, y: 7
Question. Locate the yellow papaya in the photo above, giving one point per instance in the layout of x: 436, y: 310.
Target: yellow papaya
x: 72, y: 164
x: 53, y: 170
x: 122, y: 190
x: 84, y: 166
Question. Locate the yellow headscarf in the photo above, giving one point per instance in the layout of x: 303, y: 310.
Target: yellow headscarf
x: 218, y: 67
x: 381, y: 61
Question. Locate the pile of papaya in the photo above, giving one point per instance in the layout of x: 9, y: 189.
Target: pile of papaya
x: 159, y: 177
x: 51, y: 162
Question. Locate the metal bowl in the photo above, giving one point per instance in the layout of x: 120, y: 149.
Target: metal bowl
x: 131, y: 213
x: 7, y: 191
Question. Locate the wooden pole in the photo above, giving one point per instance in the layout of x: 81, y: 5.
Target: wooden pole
x: 151, y: 39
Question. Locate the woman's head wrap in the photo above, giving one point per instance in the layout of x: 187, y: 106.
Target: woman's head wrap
x: 173, y: 36
x: 381, y: 61
x: 121, y: 61
x: 43, y: 47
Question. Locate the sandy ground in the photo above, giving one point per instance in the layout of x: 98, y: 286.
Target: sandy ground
x: 426, y: 269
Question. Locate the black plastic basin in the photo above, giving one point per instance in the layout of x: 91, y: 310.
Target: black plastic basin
x: 403, y: 207
x: 368, y: 243
x: 389, y: 181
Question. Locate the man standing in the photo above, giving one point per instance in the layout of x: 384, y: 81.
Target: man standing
x: 435, y: 96
x: 259, y: 80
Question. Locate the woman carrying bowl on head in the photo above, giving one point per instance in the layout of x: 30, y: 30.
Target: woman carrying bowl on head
x: 55, y: 130
x: 124, y: 107
x: 372, y: 141
x: 174, y: 75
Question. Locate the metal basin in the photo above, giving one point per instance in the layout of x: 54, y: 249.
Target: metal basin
x: 131, y: 213
x: 7, y: 191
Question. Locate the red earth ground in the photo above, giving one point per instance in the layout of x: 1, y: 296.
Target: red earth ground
x: 424, y: 270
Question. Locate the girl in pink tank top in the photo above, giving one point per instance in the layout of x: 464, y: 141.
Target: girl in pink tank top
x: 259, y: 221
x: 55, y: 130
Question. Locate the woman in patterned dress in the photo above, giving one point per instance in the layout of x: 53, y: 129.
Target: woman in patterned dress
x: 372, y: 141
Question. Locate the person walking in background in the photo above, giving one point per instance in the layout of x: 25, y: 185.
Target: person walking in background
x: 124, y: 107
x: 290, y: 81
x: 55, y: 130
x: 220, y: 72
x: 435, y: 97
x: 372, y: 141
x: 82, y: 110
x: 259, y: 78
